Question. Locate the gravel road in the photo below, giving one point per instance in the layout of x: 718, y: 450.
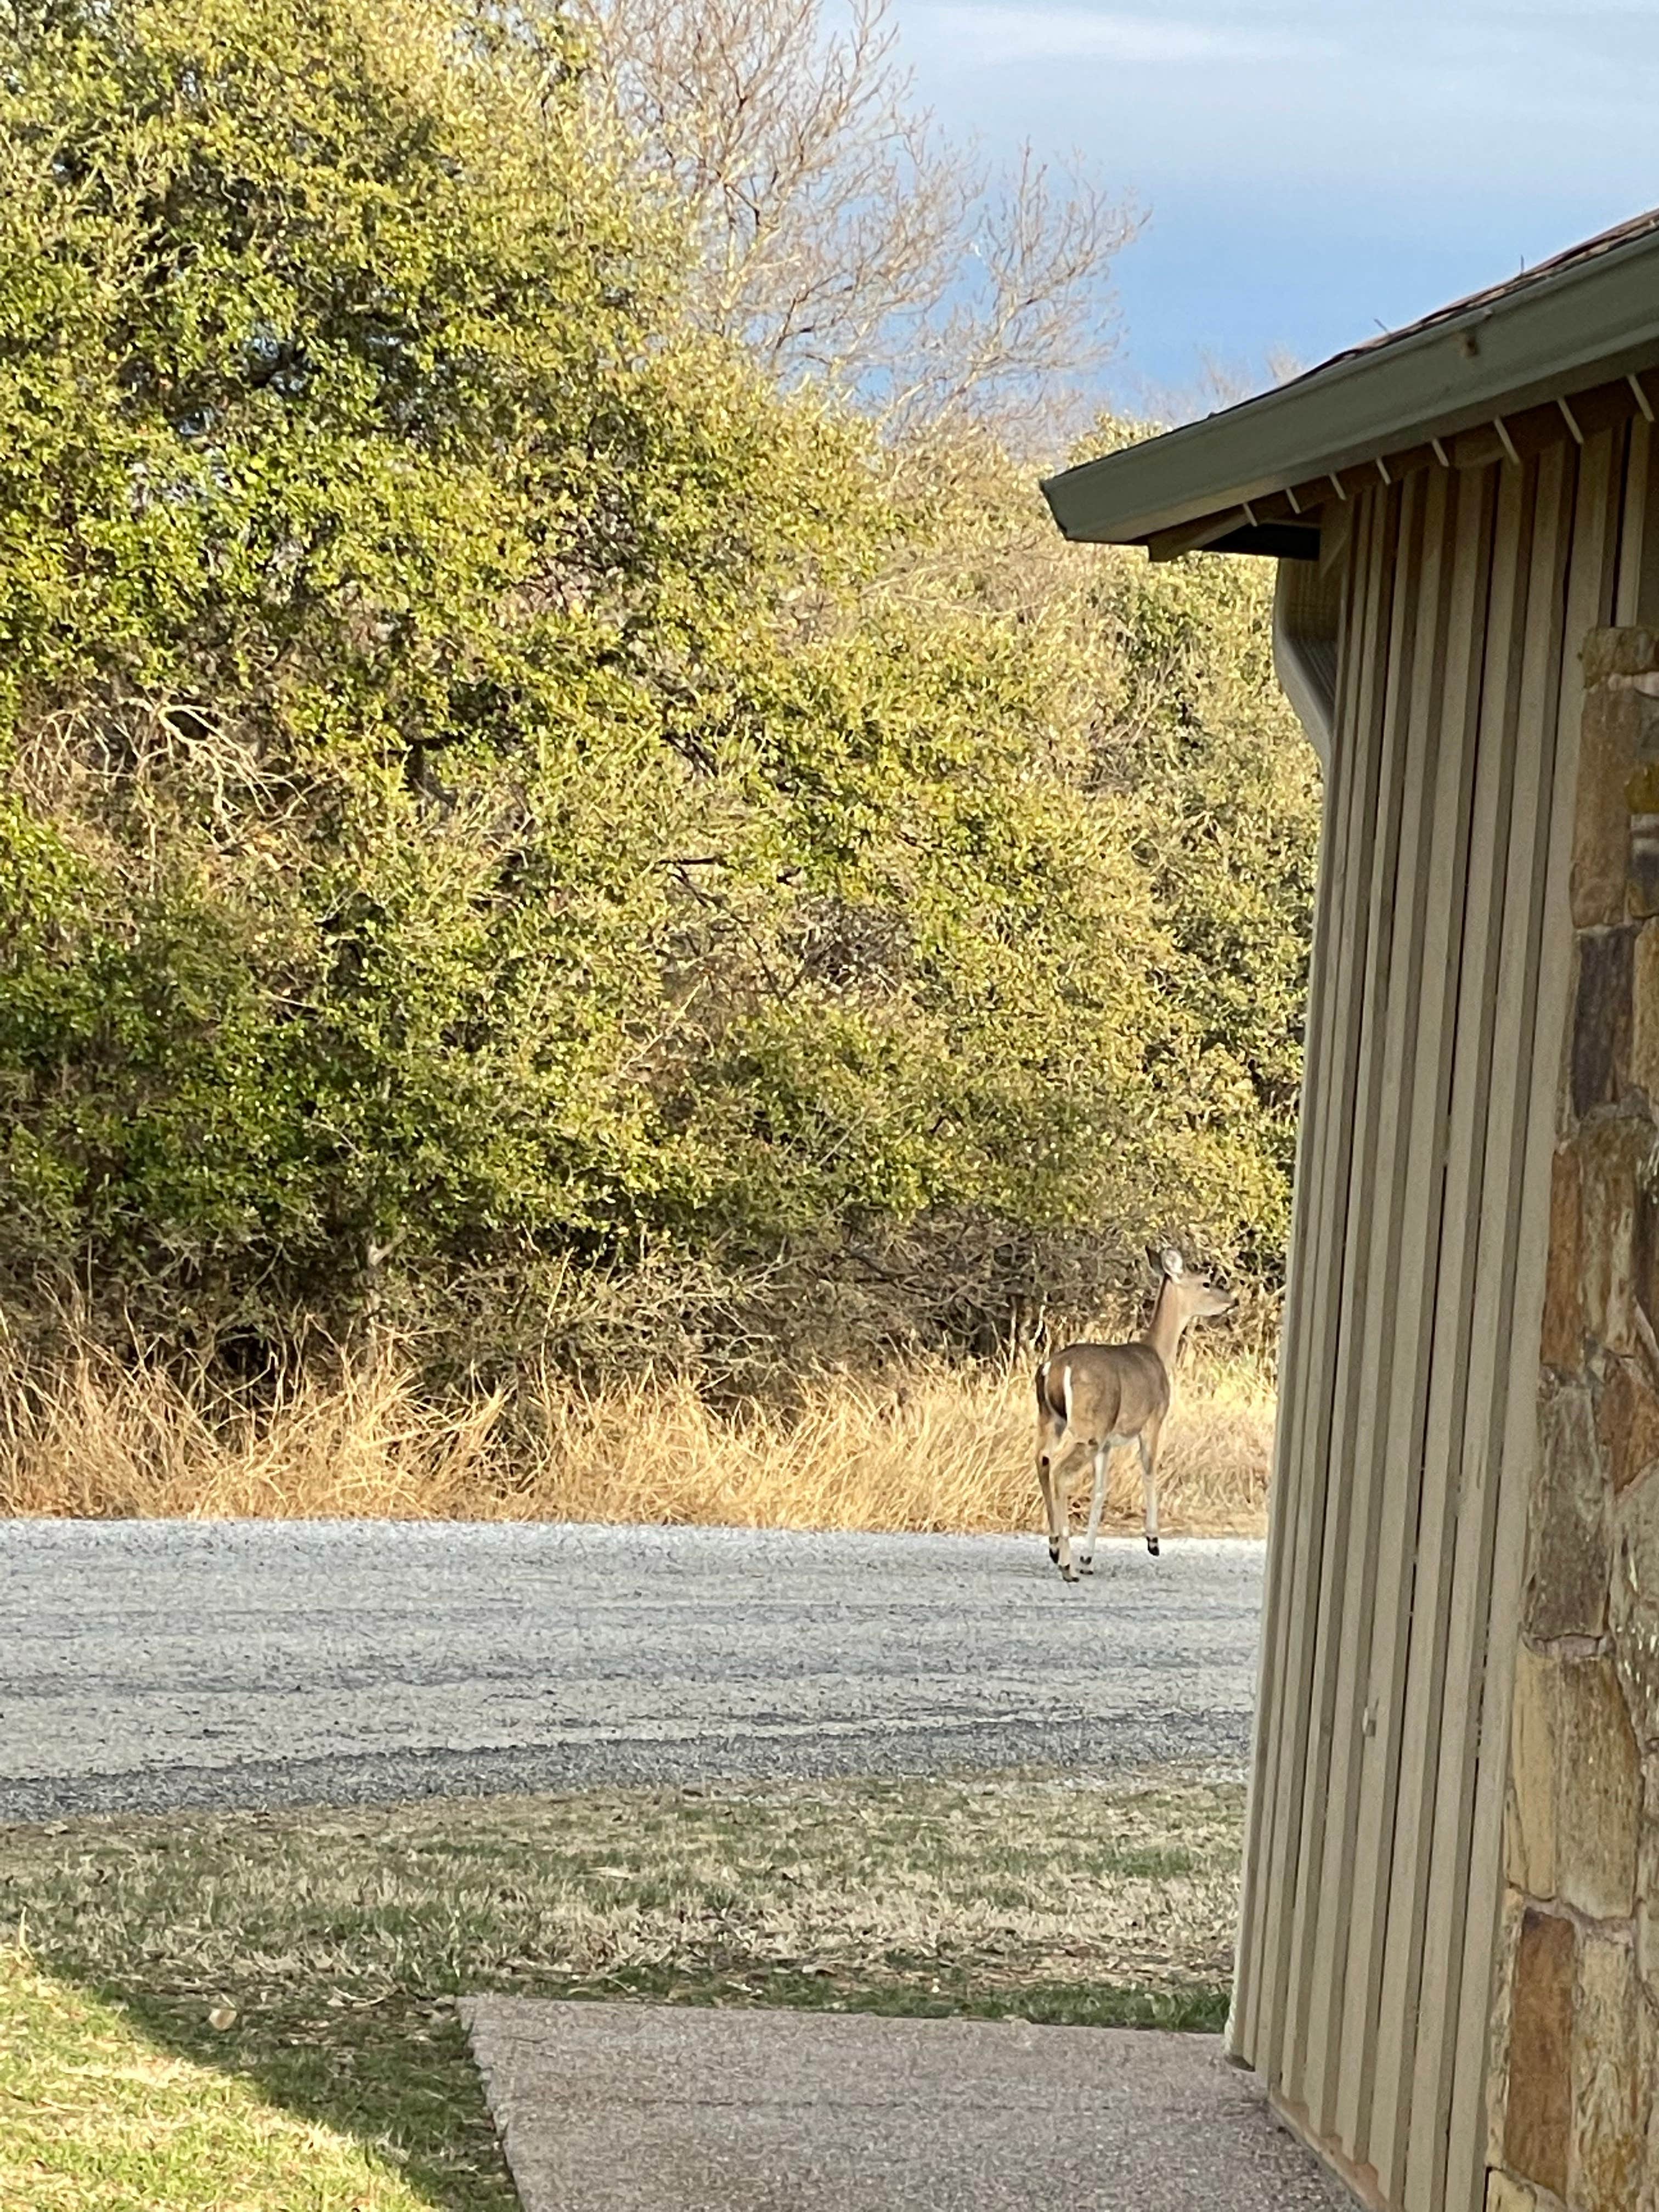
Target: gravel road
x: 148, y: 1665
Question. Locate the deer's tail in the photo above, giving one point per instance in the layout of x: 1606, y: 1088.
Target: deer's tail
x: 1046, y: 1404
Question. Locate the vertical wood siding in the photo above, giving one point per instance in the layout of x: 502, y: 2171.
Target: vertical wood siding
x: 1406, y: 1439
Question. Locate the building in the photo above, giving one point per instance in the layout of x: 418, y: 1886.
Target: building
x: 1448, y: 1970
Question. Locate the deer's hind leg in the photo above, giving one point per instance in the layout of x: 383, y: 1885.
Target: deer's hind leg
x: 1051, y: 1442
x: 1047, y: 1488
x: 1059, y: 1508
x: 1102, y: 1461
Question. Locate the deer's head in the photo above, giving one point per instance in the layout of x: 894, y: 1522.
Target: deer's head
x: 1191, y: 1297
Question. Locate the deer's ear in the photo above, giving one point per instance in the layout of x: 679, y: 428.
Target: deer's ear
x: 1172, y: 1263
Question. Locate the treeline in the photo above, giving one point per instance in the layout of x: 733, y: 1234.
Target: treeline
x: 537, y: 803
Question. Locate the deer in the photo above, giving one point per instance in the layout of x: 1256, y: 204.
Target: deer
x: 1093, y: 1397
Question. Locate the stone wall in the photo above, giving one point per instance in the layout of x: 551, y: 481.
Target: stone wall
x: 1575, y: 2108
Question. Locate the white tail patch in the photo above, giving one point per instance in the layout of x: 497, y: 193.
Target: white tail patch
x: 1066, y: 1395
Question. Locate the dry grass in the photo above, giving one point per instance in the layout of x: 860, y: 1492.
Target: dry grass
x: 951, y: 1450
x: 1067, y: 1880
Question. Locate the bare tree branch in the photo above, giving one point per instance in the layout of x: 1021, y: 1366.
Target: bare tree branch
x: 842, y: 237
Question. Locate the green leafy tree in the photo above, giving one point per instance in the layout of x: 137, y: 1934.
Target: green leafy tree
x: 489, y: 785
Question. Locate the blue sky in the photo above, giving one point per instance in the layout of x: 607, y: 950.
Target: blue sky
x: 1312, y: 169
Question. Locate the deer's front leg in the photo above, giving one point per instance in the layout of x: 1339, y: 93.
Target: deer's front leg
x: 1149, y: 1477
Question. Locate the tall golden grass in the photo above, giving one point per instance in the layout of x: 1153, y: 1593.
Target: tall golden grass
x: 948, y: 1448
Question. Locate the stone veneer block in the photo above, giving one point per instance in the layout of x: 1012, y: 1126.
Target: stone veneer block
x: 1644, y: 1252
x: 1628, y: 1422
x: 1600, y: 1059
x: 1635, y: 1606
x: 1645, y: 1015
x: 1648, y: 2060
x: 1501, y: 2011
x: 1647, y: 1901
x: 1563, y: 1341
x: 1538, y: 2126
x: 1612, y: 1161
x: 1610, y: 2097
x: 1533, y: 1773
x: 1642, y: 866
x: 1566, y: 1592
x: 1615, y: 650
x: 1600, y: 840
x: 1599, y: 1811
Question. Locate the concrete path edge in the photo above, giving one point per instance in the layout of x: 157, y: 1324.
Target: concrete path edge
x: 626, y: 2107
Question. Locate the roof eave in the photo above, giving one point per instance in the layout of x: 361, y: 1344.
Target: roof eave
x: 1600, y: 320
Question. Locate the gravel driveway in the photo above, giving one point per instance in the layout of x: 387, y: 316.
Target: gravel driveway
x: 155, y: 1664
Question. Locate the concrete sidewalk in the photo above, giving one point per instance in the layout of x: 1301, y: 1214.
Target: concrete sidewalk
x: 657, y: 2108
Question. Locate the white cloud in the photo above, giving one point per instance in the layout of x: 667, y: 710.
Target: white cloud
x: 991, y: 31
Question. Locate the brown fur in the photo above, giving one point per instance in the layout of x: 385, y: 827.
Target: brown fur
x: 1093, y: 1397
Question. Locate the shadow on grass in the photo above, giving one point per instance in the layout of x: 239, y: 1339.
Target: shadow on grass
x: 402, y: 2083
x: 341, y: 1941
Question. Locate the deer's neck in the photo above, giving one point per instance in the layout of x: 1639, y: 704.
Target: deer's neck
x: 1168, y: 1321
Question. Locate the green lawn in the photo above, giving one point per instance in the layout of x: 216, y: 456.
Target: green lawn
x: 252, y: 2010
x: 95, y: 2113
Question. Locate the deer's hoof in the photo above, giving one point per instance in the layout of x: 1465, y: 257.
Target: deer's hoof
x: 1086, y: 1566
x: 1054, y: 1555
x: 1068, y: 1574
x: 1151, y: 1546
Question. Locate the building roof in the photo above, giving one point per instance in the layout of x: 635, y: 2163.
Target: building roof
x: 1585, y: 322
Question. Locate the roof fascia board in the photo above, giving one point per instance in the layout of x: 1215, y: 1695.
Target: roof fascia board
x: 1599, y: 319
